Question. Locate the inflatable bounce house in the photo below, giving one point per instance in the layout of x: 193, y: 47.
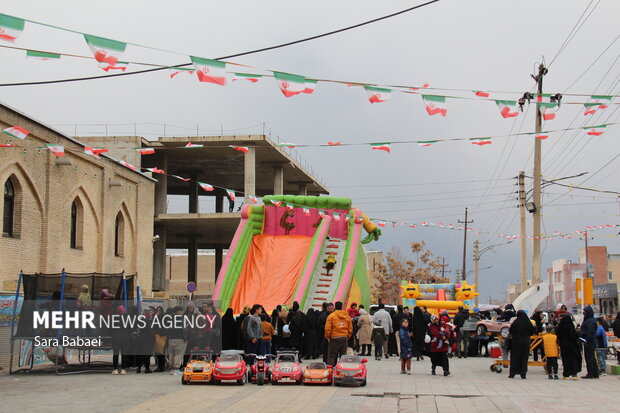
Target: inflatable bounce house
x: 438, y: 297
x: 280, y: 249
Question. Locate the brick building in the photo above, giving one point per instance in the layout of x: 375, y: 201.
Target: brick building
x: 77, y: 212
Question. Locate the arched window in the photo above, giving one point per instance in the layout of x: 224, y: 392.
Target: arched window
x: 77, y: 223
x: 119, y: 235
x: 9, y: 208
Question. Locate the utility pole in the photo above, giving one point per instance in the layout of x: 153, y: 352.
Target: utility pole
x: 542, y: 71
x: 463, y: 272
x: 523, y: 231
x: 587, y: 266
x: 476, y: 260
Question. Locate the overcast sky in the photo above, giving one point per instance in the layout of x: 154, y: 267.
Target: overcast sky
x: 470, y: 45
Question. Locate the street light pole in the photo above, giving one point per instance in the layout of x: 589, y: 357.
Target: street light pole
x: 476, y: 260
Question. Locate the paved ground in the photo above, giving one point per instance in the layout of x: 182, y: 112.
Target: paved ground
x: 470, y: 388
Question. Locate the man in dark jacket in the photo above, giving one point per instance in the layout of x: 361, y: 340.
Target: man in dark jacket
x: 320, y: 326
x: 587, y: 334
x: 461, y: 336
x: 295, y: 320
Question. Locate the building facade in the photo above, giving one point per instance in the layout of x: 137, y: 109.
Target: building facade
x: 77, y: 212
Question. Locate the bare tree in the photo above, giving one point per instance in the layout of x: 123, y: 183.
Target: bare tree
x: 425, y: 270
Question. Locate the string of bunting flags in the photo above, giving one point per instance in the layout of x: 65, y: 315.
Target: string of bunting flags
x: 59, y: 150
x: 108, y: 54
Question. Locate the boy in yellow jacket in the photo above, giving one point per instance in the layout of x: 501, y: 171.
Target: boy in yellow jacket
x: 550, y: 344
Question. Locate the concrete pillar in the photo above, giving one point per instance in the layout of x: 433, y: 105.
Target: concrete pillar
x: 249, y: 185
x: 193, y: 195
x: 278, y: 180
x: 303, y: 189
x: 159, y: 259
x: 219, y: 255
x: 219, y: 201
x: 161, y: 187
x: 192, y: 258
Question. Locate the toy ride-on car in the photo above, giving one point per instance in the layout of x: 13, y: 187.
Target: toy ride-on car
x: 350, y: 370
x: 230, y: 366
x: 199, y: 368
x: 501, y: 327
x: 259, y: 371
x: 317, y: 373
x: 286, y: 368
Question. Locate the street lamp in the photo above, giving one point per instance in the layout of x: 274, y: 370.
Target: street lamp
x: 477, y: 253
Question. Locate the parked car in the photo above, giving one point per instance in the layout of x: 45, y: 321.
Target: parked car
x: 230, y: 366
x: 350, y: 370
x: 199, y: 368
x: 317, y: 373
x: 286, y: 368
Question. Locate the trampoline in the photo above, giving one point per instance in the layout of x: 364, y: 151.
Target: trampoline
x: 96, y: 292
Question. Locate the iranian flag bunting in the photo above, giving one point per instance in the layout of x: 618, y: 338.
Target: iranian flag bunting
x: 155, y: 170
x: 596, y: 103
x: 16, y: 132
x: 548, y: 110
x: 377, y: 94
x: 381, y: 224
x: 306, y: 211
x: 595, y: 130
x: 289, y: 206
x: 181, y: 178
x: 253, y: 199
x: 411, y: 225
x: 286, y: 145
x: 334, y: 143
x: 231, y: 194
x: 10, y: 28
x: 336, y: 216
x: 507, y: 108
x: 424, y: 86
x: 146, y: 151
x: 481, y: 94
x: 322, y: 213
x: 191, y: 145
x: 178, y: 70
x: 128, y: 165
x: 541, y: 136
x: 276, y: 203
x: 118, y: 66
x: 208, y: 70
x: 207, y: 187
x: 290, y: 85
x: 424, y: 144
x: 106, y: 51
x: 480, y: 141
x: 381, y: 147
x: 41, y: 55
x: 435, y: 105
x: 247, y: 76
x: 310, y: 85
x: 243, y: 149
x: 57, y: 150
x: 94, y: 151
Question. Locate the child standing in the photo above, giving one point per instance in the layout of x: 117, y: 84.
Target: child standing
x: 601, y: 347
x: 378, y: 338
x: 550, y: 345
x: 406, y: 347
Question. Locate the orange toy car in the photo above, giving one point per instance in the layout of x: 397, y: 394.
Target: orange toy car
x: 199, y: 368
x: 317, y: 373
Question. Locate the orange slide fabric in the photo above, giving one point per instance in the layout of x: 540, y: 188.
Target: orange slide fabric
x: 271, y: 271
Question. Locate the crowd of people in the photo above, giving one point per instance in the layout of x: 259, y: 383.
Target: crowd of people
x: 332, y: 331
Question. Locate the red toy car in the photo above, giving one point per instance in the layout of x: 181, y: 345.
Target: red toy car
x: 230, y: 366
x: 350, y: 370
x: 286, y: 368
x: 318, y: 373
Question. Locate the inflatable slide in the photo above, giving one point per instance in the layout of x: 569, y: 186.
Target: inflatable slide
x: 279, y: 251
